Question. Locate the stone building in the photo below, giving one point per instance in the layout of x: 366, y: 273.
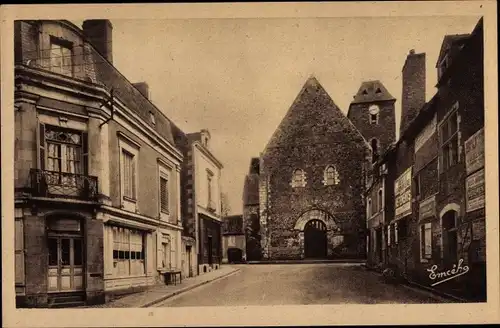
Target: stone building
x: 311, y: 174
x: 437, y: 221
x: 251, y: 220
x: 201, y: 203
x: 97, y: 173
x: 233, y: 239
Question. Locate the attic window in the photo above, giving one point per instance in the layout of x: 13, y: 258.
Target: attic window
x: 378, y: 90
x: 152, y: 118
x: 365, y: 92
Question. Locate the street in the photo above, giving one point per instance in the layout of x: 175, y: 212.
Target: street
x: 289, y: 284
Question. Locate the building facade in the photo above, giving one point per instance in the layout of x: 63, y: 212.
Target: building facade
x: 311, y: 201
x: 436, y: 173
x: 251, y: 220
x: 201, y: 203
x: 233, y: 239
x: 97, y: 174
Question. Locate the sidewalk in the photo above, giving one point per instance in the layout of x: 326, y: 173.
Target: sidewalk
x: 311, y: 261
x: 159, y: 293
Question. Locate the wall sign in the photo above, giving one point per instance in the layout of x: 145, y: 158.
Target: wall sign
x: 474, y: 191
x: 402, y: 188
x: 426, y: 133
x: 65, y: 225
x: 427, y: 208
x: 474, y: 152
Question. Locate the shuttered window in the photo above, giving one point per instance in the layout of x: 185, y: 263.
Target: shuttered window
x: 164, y: 195
x: 19, y: 249
x: 128, y: 175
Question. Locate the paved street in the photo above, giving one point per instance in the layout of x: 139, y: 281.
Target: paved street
x: 288, y: 284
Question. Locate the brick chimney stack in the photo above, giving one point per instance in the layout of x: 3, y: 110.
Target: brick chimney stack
x: 143, y: 88
x: 100, y: 34
x: 413, y: 97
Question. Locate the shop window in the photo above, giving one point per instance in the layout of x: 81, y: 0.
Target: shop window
x: 128, y: 251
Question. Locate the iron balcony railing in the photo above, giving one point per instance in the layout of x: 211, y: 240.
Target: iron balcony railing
x: 65, y: 185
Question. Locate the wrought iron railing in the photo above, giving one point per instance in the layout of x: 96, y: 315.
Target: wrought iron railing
x: 65, y: 185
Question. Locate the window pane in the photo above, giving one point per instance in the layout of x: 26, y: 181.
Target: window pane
x: 65, y: 250
x: 52, y: 251
x: 115, y: 254
x: 453, y: 123
x: 77, y: 243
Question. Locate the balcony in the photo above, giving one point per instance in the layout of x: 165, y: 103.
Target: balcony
x: 63, y: 185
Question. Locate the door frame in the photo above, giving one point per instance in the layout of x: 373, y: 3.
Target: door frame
x: 59, y: 267
x: 323, y: 229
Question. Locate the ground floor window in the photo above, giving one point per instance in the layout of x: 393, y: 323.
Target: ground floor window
x: 128, y: 252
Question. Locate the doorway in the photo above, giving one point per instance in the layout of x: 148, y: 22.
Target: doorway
x: 188, y: 255
x: 315, y: 241
x: 65, y: 271
x: 210, y: 250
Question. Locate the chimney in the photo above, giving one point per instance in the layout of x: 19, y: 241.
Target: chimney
x: 413, y: 97
x: 143, y: 88
x: 100, y: 33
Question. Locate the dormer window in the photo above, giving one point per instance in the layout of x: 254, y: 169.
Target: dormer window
x: 443, y: 65
x: 61, y: 56
x: 298, y: 179
x: 152, y: 118
x: 378, y: 90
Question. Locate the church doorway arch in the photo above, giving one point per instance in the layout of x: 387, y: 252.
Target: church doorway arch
x: 315, y: 239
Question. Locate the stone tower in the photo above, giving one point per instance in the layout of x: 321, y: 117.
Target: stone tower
x: 372, y: 112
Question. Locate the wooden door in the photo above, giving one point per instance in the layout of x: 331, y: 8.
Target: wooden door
x: 65, y: 271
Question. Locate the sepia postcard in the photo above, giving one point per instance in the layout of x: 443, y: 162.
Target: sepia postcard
x: 229, y: 164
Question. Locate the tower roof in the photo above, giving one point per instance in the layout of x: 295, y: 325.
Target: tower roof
x: 372, y: 91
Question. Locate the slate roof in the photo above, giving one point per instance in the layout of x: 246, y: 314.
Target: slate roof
x: 448, y: 42
x: 123, y: 89
x: 371, y: 91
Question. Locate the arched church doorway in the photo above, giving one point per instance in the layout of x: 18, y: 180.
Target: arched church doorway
x: 315, y: 241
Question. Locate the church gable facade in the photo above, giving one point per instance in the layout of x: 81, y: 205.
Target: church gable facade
x: 311, y: 182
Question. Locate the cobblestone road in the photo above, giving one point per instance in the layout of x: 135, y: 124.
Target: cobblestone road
x: 290, y: 284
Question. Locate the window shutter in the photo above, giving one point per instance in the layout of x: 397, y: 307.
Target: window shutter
x: 41, y: 145
x: 159, y: 250
x: 19, y: 251
x: 133, y: 176
x: 85, y: 153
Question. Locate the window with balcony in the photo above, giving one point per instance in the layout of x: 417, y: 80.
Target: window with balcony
x: 61, y: 56
x: 448, y: 136
x: 62, y: 164
x: 128, y: 252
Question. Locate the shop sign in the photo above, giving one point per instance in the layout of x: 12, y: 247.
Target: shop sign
x: 474, y: 152
x: 64, y: 225
x: 402, y: 188
x: 474, y: 190
x: 427, y: 208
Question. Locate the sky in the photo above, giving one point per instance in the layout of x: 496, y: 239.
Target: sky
x: 238, y: 77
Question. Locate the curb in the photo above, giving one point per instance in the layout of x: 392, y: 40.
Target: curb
x: 183, y: 290
x: 360, y: 262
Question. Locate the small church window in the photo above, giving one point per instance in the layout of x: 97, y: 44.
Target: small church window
x: 298, y: 178
x: 331, y: 176
x: 373, y: 118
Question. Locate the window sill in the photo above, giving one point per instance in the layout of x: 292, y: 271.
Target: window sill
x: 130, y: 200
